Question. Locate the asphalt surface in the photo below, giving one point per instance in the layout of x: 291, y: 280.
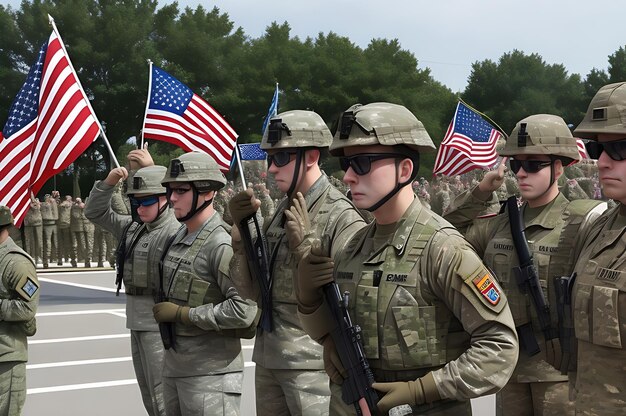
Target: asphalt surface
x: 80, y: 362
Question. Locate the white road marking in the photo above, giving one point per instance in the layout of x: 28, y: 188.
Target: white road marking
x: 79, y: 362
x: 87, y: 312
x: 60, y: 282
x: 77, y: 339
x: 83, y: 386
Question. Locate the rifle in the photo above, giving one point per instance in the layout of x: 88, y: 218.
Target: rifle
x: 528, y: 282
x: 563, y: 286
x: 167, y: 329
x: 256, y: 254
x: 357, y: 387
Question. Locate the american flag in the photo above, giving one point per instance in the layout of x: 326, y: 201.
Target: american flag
x: 178, y: 116
x: 582, y: 151
x: 252, y: 151
x: 469, y: 143
x: 50, y: 124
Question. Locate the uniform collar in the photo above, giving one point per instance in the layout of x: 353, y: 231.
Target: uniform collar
x: 549, y: 218
x: 188, y: 239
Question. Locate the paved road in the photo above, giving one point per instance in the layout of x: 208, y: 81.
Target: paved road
x: 79, y: 360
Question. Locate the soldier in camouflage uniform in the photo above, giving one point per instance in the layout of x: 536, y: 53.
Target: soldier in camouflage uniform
x: 19, y: 297
x: 599, y: 291
x: 423, y: 299
x: 203, y: 370
x: 65, y: 235
x: 142, y: 246
x: 540, y: 147
x: 33, y: 231
x: 289, y: 368
x: 77, y: 228
x: 50, y: 215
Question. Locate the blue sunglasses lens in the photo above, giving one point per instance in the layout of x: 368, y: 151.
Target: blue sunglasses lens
x: 146, y: 202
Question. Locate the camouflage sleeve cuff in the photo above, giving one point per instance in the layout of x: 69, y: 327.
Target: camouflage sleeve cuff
x: 484, y: 197
x: 317, y: 323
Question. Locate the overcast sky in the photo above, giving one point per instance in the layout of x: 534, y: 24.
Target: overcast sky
x: 447, y: 36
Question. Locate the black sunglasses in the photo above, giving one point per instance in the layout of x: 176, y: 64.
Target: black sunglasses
x: 362, y: 164
x: 280, y: 159
x: 616, y: 150
x: 530, y: 166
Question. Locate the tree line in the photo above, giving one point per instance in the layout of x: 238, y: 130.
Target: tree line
x: 110, y: 41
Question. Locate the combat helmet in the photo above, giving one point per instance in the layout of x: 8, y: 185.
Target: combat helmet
x: 197, y: 168
x: 146, y: 181
x: 606, y: 113
x: 380, y: 123
x: 542, y: 134
x: 296, y: 129
x: 5, y: 216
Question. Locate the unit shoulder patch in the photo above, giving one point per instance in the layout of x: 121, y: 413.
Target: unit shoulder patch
x: 488, y: 288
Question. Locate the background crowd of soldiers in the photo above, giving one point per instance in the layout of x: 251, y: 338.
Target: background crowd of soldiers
x: 55, y: 230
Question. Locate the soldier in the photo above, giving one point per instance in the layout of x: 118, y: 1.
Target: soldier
x: 436, y: 328
x: 289, y: 371
x: 540, y: 146
x: 50, y: 215
x: 77, y: 227
x: 33, y: 231
x: 142, y: 246
x: 90, y: 231
x: 65, y: 235
x: 203, y: 369
x: 19, y: 297
x: 599, y: 291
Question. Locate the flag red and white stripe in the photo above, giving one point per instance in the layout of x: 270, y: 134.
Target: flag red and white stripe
x: 582, y: 151
x: 177, y: 115
x: 63, y: 126
x: 470, y: 143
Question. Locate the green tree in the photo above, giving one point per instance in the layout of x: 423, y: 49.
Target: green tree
x: 519, y: 85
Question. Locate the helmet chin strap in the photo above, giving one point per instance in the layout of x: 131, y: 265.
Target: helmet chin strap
x: 394, y: 191
x: 296, y: 173
x: 194, y: 202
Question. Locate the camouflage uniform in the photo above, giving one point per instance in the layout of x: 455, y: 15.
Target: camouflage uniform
x: 203, y: 373
x: 77, y: 228
x: 599, y: 292
x: 536, y: 387
x: 144, y: 245
x: 66, y: 250
x: 33, y: 231
x: 19, y: 297
x: 421, y: 296
x: 50, y: 215
x: 290, y: 375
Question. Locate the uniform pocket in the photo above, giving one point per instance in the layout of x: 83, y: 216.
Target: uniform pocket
x: 418, y: 338
x: 366, y: 315
x: 181, y: 287
x: 582, y: 313
x: 606, y: 325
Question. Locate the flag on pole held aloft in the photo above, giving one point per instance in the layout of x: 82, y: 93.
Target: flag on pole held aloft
x: 469, y: 143
x: 50, y: 124
x: 272, y: 111
x: 252, y: 151
x: 176, y: 115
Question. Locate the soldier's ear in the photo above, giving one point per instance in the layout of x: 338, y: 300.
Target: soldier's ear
x: 558, y: 168
x: 406, y: 170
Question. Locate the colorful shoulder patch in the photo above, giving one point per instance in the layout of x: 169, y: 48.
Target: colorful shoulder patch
x: 27, y: 288
x: 487, y: 287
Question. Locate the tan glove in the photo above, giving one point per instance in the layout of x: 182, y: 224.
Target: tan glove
x: 492, y: 180
x: 314, y: 271
x: 171, y: 312
x: 243, y: 205
x: 423, y: 390
x: 332, y: 363
x: 554, y: 353
x: 298, y: 225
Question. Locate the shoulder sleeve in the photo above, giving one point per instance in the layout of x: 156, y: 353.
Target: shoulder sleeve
x: 23, y: 286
